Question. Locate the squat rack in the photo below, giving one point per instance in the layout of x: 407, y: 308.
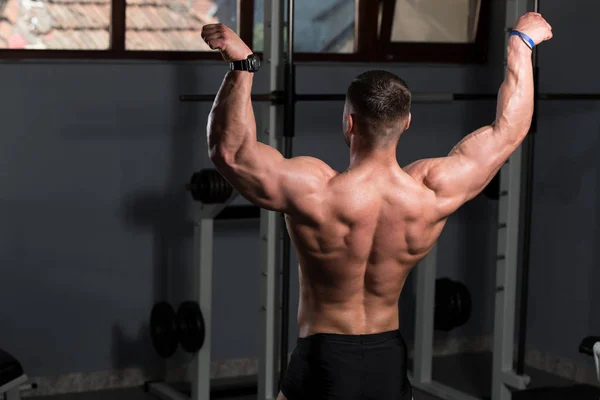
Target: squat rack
x: 280, y: 117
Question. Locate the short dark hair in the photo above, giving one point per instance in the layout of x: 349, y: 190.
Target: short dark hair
x: 379, y: 97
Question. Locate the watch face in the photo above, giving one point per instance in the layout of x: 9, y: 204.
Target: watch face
x: 254, y: 62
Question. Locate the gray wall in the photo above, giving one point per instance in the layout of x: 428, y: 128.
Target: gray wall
x: 96, y: 226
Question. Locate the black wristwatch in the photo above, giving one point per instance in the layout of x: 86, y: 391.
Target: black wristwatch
x: 250, y: 64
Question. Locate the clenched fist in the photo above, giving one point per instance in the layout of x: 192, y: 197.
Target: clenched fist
x: 221, y: 37
x: 534, y: 26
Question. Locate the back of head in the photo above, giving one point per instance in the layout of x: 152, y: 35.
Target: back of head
x: 379, y: 103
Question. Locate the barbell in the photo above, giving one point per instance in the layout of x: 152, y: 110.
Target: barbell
x: 208, y: 186
x: 279, y: 98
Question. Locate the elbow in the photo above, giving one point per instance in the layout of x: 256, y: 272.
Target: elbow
x: 220, y: 156
x: 219, y: 152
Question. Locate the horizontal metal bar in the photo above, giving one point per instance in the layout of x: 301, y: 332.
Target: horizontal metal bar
x: 239, y: 212
x: 266, y: 97
x: 569, y: 96
x: 278, y: 97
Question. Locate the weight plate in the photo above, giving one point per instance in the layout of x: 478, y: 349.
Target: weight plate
x: 190, y: 324
x: 163, y: 329
x: 208, y: 186
x: 445, y: 312
x: 464, y: 306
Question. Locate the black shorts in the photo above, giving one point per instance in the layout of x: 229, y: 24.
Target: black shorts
x: 348, y: 367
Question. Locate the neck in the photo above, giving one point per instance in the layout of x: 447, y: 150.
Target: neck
x: 368, y: 154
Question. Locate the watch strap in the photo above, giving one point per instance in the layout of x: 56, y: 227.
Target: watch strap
x: 241, y: 65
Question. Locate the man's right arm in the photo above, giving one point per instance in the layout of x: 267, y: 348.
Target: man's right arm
x: 473, y: 162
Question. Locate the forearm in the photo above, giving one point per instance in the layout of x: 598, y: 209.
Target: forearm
x: 513, y: 114
x: 516, y: 96
x: 231, y: 123
x: 478, y: 157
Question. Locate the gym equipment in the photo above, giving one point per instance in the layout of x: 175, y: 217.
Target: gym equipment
x: 190, y: 326
x: 452, y: 305
x: 591, y: 347
x: 168, y: 329
x: 187, y: 325
x: 163, y: 329
x: 208, y: 186
x: 12, y: 377
x: 278, y: 97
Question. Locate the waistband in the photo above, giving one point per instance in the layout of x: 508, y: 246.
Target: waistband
x: 357, y: 339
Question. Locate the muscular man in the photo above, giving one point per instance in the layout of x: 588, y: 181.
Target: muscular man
x: 358, y: 233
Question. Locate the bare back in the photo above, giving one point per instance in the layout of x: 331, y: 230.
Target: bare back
x: 359, y: 233
x: 366, y: 231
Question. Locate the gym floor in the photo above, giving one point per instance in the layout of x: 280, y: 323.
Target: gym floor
x: 470, y: 373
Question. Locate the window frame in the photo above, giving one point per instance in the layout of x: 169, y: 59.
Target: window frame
x: 368, y: 46
x: 117, y: 51
x: 467, y: 53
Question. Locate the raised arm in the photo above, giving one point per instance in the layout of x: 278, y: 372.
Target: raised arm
x: 259, y: 172
x: 474, y: 161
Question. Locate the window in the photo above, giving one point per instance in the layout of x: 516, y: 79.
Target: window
x: 321, y: 26
x: 434, y: 30
x: 58, y: 24
x: 327, y: 30
x: 433, y: 21
x: 174, y: 25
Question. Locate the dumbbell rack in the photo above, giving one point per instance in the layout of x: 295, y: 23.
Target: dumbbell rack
x: 504, y: 378
x: 203, y: 259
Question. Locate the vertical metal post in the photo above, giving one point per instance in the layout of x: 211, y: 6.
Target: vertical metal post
x: 203, y: 234
x: 524, y: 275
x: 426, y: 274
x: 270, y: 222
x: 424, y: 333
x: 288, y: 133
x: 597, y: 359
x: 503, y: 376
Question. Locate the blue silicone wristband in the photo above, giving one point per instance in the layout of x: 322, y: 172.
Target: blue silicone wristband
x: 525, y: 38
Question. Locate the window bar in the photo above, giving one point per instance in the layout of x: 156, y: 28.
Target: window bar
x: 366, y: 28
x: 246, y: 21
x: 117, y: 26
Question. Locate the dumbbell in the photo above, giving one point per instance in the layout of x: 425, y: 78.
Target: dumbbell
x: 169, y: 329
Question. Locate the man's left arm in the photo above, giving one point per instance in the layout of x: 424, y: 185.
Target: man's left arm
x: 259, y: 172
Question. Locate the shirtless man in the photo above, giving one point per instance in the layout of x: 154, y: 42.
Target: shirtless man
x: 359, y: 233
